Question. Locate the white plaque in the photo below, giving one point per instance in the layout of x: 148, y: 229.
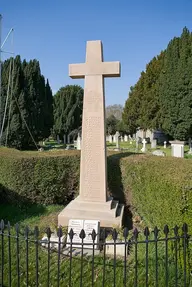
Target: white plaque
x: 77, y: 225
x: 89, y: 225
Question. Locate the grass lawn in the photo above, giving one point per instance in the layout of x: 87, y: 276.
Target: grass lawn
x: 85, y: 267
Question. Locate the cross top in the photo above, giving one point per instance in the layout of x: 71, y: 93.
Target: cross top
x: 94, y: 64
x: 144, y: 141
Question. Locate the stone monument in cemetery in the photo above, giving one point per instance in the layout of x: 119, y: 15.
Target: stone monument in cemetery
x: 177, y: 148
x: 110, y: 138
x: 144, y: 145
x: 125, y: 138
x: 92, y: 202
x: 79, y: 142
x: 153, y: 143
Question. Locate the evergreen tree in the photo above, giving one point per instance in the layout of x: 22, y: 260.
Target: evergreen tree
x: 68, y: 106
x: 30, y: 116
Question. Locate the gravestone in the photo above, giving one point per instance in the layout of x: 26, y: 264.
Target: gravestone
x: 154, y: 143
x: 64, y: 139
x: 137, y: 143
x: 177, y: 148
x: 110, y: 138
x: 68, y: 139
x: 144, y: 145
x: 165, y: 144
x: 117, y: 140
x: 114, y: 138
x: 78, y: 142
x: 190, y: 146
x: 122, y: 139
x: 125, y: 138
x: 92, y: 202
x: 58, y: 140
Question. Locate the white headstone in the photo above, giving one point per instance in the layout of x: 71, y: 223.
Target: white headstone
x: 154, y: 143
x: 190, y: 146
x: 177, y: 148
x: 117, y: 139
x: 125, y: 138
x: 121, y: 138
x: 78, y: 142
x: 137, y: 143
x: 165, y: 144
x: 144, y: 145
x: 110, y: 139
x: 114, y: 138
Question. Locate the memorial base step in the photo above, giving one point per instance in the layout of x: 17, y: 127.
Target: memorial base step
x: 110, y: 214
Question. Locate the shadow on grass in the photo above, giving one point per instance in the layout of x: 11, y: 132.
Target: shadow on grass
x: 116, y: 185
x: 15, y: 208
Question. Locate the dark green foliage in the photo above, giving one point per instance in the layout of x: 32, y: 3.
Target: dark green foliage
x: 39, y: 179
x: 111, y: 124
x: 68, y: 105
x: 160, y: 189
x: 30, y: 105
x: 162, y: 97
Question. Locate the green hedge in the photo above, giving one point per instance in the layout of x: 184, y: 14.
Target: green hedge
x: 38, y: 179
x: 159, y: 189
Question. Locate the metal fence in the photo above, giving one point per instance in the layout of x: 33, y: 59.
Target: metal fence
x: 149, y: 258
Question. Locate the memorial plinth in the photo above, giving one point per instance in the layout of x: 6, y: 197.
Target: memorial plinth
x: 92, y: 202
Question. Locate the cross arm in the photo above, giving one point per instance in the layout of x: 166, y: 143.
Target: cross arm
x: 77, y: 71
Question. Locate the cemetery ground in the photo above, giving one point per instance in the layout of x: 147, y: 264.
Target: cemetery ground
x: 36, y: 186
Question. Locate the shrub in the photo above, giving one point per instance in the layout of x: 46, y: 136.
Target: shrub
x: 160, y: 188
x: 39, y: 179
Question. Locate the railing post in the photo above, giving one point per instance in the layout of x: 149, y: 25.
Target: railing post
x: 166, y: 232
x: 2, y: 226
x: 71, y: 235
x: 9, y: 250
x: 185, y: 242
x: 59, y: 234
x: 125, y: 235
x: 135, y: 235
x: 82, y: 236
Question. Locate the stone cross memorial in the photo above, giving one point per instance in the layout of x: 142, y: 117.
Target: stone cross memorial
x: 92, y: 202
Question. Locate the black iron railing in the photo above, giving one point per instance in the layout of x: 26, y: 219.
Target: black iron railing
x: 149, y: 258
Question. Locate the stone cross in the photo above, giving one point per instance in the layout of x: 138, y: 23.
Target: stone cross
x: 93, y: 169
x: 144, y: 145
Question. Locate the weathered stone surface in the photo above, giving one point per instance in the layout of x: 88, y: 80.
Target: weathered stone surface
x: 93, y: 169
x: 158, y: 153
x: 177, y: 148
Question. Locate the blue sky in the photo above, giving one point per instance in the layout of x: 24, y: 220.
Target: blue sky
x: 132, y: 32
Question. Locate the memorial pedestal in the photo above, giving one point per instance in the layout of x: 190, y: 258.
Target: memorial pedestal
x: 109, y: 213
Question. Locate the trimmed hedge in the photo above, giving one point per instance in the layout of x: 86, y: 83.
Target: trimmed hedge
x: 39, y: 179
x: 159, y: 189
